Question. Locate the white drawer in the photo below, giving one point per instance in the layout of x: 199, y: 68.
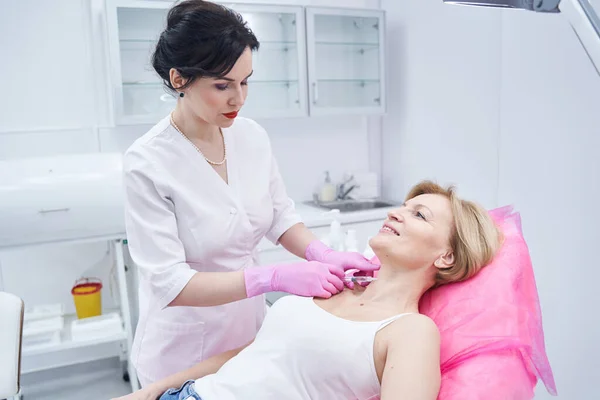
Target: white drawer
x: 60, y: 198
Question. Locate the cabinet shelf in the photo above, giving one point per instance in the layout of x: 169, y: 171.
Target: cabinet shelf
x: 138, y: 40
x: 360, y: 82
x: 152, y: 98
x: 275, y: 82
x: 146, y: 45
x: 349, y: 44
x: 68, y: 343
x: 340, y: 48
x: 267, y: 42
x: 251, y: 82
x: 347, y: 93
x: 142, y: 83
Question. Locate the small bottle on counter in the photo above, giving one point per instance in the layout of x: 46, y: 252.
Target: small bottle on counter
x: 368, y: 253
x: 351, y: 241
x: 328, y: 190
x: 335, y: 239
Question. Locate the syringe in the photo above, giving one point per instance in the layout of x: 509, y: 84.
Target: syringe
x: 359, y: 279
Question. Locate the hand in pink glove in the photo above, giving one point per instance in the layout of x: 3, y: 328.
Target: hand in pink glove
x: 309, y: 279
x: 318, y: 251
x: 357, y: 273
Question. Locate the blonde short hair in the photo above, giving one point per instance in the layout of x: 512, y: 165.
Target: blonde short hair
x: 475, y: 239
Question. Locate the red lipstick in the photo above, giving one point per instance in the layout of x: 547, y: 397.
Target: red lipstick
x: 231, y: 115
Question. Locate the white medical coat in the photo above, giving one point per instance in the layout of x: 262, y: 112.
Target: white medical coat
x: 182, y: 217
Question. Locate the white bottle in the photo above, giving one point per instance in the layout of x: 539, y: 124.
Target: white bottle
x: 335, y: 231
x: 368, y: 253
x: 328, y: 190
x: 351, y: 241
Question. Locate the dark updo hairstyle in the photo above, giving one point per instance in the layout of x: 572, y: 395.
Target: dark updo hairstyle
x: 202, y: 39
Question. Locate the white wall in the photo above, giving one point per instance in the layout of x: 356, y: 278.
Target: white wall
x: 505, y: 104
x: 54, y: 101
x: 549, y: 168
x: 443, y: 101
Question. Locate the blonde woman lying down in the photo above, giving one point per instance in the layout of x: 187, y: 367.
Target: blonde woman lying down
x: 363, y: 343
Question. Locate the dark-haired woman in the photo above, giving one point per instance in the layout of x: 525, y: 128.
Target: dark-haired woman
x: 202, y: 190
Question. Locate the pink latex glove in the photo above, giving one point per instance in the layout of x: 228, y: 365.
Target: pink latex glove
x: 318, y: 251
x: 309, y: 279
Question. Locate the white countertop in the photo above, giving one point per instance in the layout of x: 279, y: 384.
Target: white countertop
x: 315, y: 217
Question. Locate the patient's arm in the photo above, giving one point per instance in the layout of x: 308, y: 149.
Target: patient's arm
x: 206, y: 367
x: 412, y: 365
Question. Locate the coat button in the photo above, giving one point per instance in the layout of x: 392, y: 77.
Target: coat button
x: 233, y: 211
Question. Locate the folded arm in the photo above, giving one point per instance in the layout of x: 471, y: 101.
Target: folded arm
x: 412, y: 366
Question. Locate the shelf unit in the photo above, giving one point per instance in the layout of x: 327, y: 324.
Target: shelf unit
x: 54, y: 201
x: 68, y: 344
x: 81, y: 351
x: 69, y: 352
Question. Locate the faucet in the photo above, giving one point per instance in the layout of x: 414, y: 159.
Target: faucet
x: 343, y: 192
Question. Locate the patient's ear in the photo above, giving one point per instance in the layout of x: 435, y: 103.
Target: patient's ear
x: 446, y: 260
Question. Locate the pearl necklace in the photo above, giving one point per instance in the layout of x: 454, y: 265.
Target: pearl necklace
x: 196, y: 147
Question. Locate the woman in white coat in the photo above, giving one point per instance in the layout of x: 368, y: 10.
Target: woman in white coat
x: 202, y: 190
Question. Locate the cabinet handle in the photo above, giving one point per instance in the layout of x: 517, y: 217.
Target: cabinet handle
x: 315, y: 93
x: 54, y: 210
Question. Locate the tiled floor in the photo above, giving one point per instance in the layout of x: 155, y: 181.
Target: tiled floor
x: 99, y: 381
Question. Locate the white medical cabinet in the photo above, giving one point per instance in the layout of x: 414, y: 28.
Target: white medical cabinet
x: 312, y: 60
x: 68, y: 199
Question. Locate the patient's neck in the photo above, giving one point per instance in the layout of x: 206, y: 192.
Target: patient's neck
x: 396, y: 288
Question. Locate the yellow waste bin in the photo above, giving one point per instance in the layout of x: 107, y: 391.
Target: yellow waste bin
x: 87, y: 295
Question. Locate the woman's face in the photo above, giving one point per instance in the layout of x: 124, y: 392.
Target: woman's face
x: 417, y: 234
x: 218, y: 100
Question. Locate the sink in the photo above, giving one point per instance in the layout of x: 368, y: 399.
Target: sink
x: 352, y: 205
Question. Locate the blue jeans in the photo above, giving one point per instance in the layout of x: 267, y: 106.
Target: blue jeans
x: 185, y: 392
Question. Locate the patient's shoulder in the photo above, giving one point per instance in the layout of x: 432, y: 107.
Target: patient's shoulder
x: 410, y: 336
x: 413, y: 328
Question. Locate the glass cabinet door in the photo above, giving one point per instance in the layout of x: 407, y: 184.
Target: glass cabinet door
x: 276, y: 89
x: 345, y: 53
x: 133, y: 30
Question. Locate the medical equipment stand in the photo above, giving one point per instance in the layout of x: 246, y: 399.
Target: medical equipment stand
x: 125, y: 340
x: 125, y: 309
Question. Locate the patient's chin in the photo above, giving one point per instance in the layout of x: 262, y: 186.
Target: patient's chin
x: 382, y: 243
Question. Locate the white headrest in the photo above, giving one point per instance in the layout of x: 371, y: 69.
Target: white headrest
x: 11, y: 321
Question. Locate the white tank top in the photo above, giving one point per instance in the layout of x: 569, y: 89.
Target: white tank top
x: 302, y: 352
